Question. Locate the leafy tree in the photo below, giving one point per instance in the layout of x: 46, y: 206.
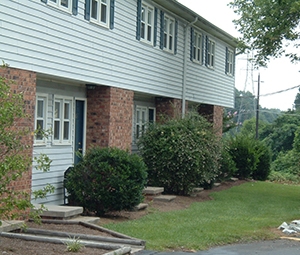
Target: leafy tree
x: 266, y: 26
x: 14, y: 157
x: 297, y: 101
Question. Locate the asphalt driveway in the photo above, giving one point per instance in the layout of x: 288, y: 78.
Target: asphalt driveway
x: 274, y: 247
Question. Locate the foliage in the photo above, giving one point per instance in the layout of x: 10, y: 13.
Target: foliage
x: 220, y: 221
x: 14, y: 158
x: 181, y: 153
x: 280, y: 134
x: 263, y: 167
x: 107, y: 179
x: 227, y: 165
x: 283, y: 177
x: 243, y: 153
x: 267, y: 26
x: 74, y: 244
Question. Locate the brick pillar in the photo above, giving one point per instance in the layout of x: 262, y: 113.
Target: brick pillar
x: 214, y: 114
x: 23, y: 82
x: 168, y: 108
x: 109, y: 117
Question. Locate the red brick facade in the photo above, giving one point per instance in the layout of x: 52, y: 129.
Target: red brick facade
x: 109, y: 117
x: 213, y: 114
x: 24, y: 82
x: 168, y: 108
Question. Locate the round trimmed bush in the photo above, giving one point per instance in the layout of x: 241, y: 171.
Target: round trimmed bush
x: 181, y: 154
x: 107, y: 179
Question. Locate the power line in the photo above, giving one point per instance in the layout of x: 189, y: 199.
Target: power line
x: 280, y: 91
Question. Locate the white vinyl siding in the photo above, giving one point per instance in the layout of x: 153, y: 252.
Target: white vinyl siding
x: 48, y: 41
x: 61, y: 153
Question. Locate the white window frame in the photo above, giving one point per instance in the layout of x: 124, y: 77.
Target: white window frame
x: 197, y: 47
x: 141, y: 120
x: 169, y: 34
x: 61, y: 118
x: 147, y: 25
x: 58, y: 4
x: 211, y: 49
x: 230, y: 62
x: 99, y: 19
x: 43, y: 98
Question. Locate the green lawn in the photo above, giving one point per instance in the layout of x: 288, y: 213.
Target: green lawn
x: 241, y: 213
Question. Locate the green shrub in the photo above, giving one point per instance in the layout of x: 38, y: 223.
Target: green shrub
x: 242, y: 151
x: 107, y: 179
x: 181, y: 154
x: 283, y: 177
x: 227, y: 165
x: 263, y: 166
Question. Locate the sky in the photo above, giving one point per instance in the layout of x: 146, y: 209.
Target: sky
x: 280, y: 74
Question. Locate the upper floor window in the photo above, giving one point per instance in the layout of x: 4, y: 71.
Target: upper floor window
x: 210, y: 53
x: 147, y: 23
x: 100, y: 12
x: 229, y: 68
x: 40, y: 118
x: 169, y: 31
x: 62, y: 120
x: 196, y: 46
x: 65, y: 5
x: 146, y: 28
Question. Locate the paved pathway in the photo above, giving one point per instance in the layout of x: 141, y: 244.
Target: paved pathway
x: 276, y: 247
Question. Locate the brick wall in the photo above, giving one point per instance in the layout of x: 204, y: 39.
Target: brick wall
x: 168, y: 108
x: 109, y: 117
x: 25, y: 82
x: 213, y: 114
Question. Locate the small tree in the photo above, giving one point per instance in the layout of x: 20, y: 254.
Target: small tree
x: 14, y: 157
x: 181, y: 153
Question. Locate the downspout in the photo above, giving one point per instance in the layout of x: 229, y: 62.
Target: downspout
x: 185, y: 63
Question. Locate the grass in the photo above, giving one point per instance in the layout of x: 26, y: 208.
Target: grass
x: 243, y: 213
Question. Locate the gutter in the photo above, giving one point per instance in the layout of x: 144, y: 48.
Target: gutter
x: 185, y: 64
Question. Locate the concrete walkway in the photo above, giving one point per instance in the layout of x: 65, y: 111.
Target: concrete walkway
x: 275, y: 247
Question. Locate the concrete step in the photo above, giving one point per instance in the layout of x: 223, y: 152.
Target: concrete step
x: 140, y: 207
x: 164, y: 198
x: 153, y: 191
x: 58, y: 211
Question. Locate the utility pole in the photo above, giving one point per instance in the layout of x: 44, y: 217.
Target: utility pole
x: 257, y: 106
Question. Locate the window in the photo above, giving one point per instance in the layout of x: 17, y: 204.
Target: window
x: 100, y: 12
x: 229, y: 68
x: 169, y: 34
x: 196, y: 46
x: 147, y: 24
x: 210, y: 52
x: 143, y: 116
x: 62, y: 120
x: 40, y: 118
x: 65, y: 5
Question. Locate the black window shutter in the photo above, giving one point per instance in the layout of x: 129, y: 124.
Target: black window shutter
x: 138, y: 19
x: 203, y: 37
x: 155, y: 27
x: 75, y: 7
x: 206, y: 50
x: 87, y: 12
x: 192, y: 46
x: 112, y: 14
x: 176, y: 36
x: 162, y: 29
x: 233, y: 70
x: 44, y: 1
x: 226, y: 60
